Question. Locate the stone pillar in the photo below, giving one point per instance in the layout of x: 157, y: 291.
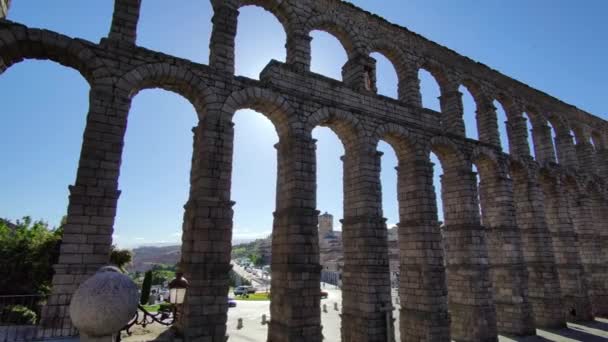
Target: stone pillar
x: 359, y: 73
x: 600, y: 274
x: 409, y: 88
x: 221, y: 46
x: 452, y: 111
x: 586, y: 156
x: 543, y: 143
x: 601, y: 159
x: 422, y: 283
x: 298, y: 50
x: 470, y: 299
x: 366, y: 291
x: 507, y: 269
x: 589, y: 242
x: 87, y: 233
x: 565, y: 150
x: 567, y: 258
x: 296, y: 273
x: 517, y: 131
x: 543, y: 282
x: 207, y: 231
x: 4, y: 6
x: 124, y: 21
x: 487, y: 122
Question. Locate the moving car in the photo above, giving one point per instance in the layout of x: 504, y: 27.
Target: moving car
x: 231, y: 303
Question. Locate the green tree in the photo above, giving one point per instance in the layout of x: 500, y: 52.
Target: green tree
x: 28, y: 250
x: 256, y: 259
x: 162, y: 273
x: 120, y: 257
x: 145, y: 288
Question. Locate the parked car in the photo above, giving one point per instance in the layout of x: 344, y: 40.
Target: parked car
x: 231, y: 303
x: 243, y: 290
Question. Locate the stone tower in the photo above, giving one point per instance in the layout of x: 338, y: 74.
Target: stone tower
x: 326, y: 224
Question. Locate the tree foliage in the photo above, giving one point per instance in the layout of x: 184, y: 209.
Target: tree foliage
x: 120, y: 257
x: 162, y: 273
x: 256, y: 259
x: 28, y: 250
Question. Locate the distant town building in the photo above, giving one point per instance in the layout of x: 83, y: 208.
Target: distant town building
x: 331, y: 253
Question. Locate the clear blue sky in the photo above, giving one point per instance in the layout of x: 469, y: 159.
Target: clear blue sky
x: 557, y: 46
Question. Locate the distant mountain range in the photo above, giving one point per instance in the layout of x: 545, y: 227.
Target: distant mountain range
x: 145, y: 257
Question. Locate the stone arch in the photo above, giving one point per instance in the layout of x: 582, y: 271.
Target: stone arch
x: 507, y: 102
x: 274, y: 106
x: 286, y: 16
x: 598, y: 139
x: 19, y: 42
x: 486, y: 161
x: 170, y: 77
x: 337, y: 27
x: 392, y: 52
x: 559, y: 124
x: 448, y: 153
x: 484, y: 114
x: 438, y: 72
x: 536, y: 118
x: 475, y: 89
x: 346, y: 126
x: 399, y: 138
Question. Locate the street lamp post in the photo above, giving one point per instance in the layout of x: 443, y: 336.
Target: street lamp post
x: 177, y: 292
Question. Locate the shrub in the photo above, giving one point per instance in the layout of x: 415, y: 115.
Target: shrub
x: 165, y: 307
x: 18, y: 314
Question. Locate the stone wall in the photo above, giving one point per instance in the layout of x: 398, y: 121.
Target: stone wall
x: 503, y: 272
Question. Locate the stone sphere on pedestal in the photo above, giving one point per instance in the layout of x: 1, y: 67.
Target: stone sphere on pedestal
x: 104, y: 303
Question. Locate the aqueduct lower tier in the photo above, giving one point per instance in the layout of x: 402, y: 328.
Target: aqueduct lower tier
x: 541, y: 251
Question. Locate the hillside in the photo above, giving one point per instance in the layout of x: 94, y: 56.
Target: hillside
x: 147, y: 256
x: 144, y: 257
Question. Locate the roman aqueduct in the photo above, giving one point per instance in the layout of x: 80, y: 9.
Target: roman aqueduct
x: 541, y: 252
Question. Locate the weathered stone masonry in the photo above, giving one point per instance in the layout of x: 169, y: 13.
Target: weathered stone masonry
x: 540, y: 241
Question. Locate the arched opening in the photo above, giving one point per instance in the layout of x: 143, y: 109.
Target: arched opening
x: 160, y: 124
x: 553, y: 141
x: 254, y: 176
x: 530, y: 135
x: 575, y: 137
x: 330, y: 204
x: 501, y: 118
x: 390, y: 207
x: 387, y: 80
x: 596, y: 140
x: 329, y: 173
x: 252, y: 50
x: 33, y: 127
x: 437, y: 174
x: 90, y: 21
x: 253, y: 189
x: 430, y: 91
x: 40, y: 144
x: 182, y: 38
x: 469, y: 108
x: 327, y: 55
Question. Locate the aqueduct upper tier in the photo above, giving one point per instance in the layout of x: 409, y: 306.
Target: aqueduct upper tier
x: 538, y: 250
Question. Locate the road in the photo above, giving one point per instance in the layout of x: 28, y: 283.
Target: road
x: 257, y: 282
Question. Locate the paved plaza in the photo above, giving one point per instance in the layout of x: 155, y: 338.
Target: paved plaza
x: 254, y: 331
